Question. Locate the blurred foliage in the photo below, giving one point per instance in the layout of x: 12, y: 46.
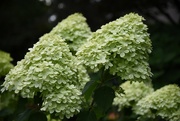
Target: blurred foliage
x: 23, y: 22
x: 165, y: 57
x: 5, y: 64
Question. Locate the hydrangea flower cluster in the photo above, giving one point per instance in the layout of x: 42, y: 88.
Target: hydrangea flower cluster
x: 51, y: 69
x: 74, y: 30
x: 133, y: 92
x: 122, y: 46
x: 164, y: 102
x: 5, y: 63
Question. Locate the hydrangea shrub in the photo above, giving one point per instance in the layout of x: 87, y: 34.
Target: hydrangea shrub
x: 164, y: 102
x: 133, y: 92
x: 5, y: 63
x: 122, y: 46
x: 51, y: 69
x: 74, y: 30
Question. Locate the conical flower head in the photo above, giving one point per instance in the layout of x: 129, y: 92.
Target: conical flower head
x: 74, y: 30
x: 122, y: 46
x: 5, y: 63
x: 49, y: 68
x: 133, y: 92
x: 164, y: 102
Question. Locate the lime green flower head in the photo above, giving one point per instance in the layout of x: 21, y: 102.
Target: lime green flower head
x: 51, y: 69
x: 164, y: 102
x: 65, y: 102
x: 133, y: 92
x: 122, y: 46
x: 74, y: 30
x: 5, y: 64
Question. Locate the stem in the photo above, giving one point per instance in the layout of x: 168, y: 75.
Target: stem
x: 91, y: 106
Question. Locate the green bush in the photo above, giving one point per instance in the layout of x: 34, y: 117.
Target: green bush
x: 75, y: 74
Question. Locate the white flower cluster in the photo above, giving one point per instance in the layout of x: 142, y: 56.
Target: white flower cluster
x: 122, y: 46
x: 5, y: 64
x: 51, y: 69
x: 164, y: 102
x: 74, y: 30
x: 133, y: 92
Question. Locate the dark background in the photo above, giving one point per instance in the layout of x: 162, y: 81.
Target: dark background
x: 22, y: 22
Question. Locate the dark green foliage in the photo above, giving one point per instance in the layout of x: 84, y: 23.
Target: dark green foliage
x: 89, y: 89
x: 103, y: 97
x: 37, y: 116
x: 31, y: 115
x: 87, y: 116
x: 24, y: 116
x: 165, y: 57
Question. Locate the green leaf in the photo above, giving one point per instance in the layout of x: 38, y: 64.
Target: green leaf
x: 89, y: 88
x: 37, y: 116
x: 24, y: 115
x: 99, y: 112
x: 5, y: 112
x: 87, y: 116
x: 103, y: 97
